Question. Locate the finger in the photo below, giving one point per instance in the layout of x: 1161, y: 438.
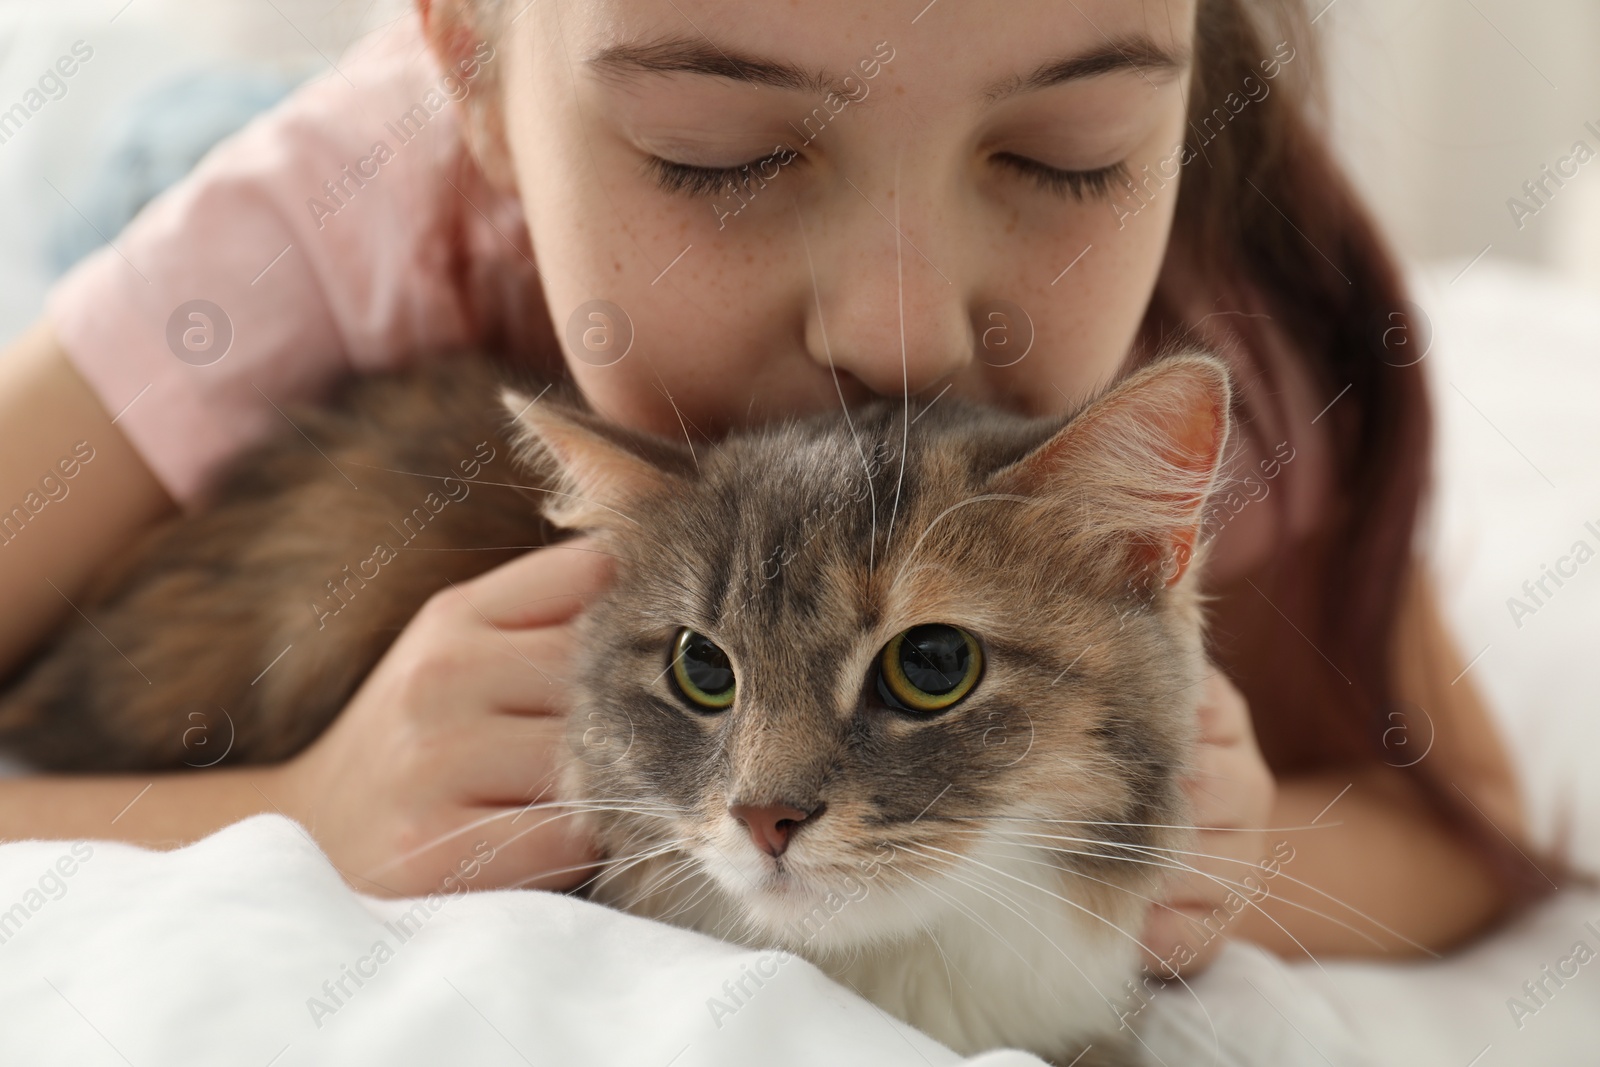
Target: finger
x: 1181, y: 939
x: 546, y: 845
x: 1223, y: 793
x: 527, y: 672
x: 462, y: 678
x: 542, y: 587
x: 1224, y: 714
x: 1197, y: 902
x: 1168, y: 928
x: 506, y: 847
x: 510, y: 760
x: 1229, y: 787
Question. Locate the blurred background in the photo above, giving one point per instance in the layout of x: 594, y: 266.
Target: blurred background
x: 1444, y: 108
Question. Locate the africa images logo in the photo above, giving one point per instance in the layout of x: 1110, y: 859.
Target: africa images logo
x: 1537, y: 592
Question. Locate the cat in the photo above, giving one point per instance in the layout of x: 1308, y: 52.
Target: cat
x: 906, y: 692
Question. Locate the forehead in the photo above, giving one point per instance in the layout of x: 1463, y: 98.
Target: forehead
x: 832, y: 523
x: 808, y: 501
x: 945, y: 45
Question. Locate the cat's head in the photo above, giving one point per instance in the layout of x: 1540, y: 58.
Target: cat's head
x: 859, y: 659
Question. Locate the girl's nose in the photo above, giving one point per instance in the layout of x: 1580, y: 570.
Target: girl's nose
x: 889, y: 306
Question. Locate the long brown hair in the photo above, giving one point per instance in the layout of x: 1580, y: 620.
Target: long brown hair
x: 1266, y: 209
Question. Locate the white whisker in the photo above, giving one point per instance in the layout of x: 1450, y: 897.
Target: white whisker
x: 1216, y: 1046
x: 973, y: 915
x: 905, y: 372
x: 1098, y: 918
x: 1229, y: 859
x: 1179, y: 866
x: 512, y: 813
x: 816, y: 296
x: 980, y: 498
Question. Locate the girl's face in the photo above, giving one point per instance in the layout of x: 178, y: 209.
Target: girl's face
x: 935, y: 198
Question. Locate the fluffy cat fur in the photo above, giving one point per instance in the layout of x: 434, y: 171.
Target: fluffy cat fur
x: 980, y: 872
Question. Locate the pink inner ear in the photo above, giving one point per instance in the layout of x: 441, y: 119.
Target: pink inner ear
x: 1146, y: 454
x: 596, y: 480
x: 603, y: 473
x: 1194, y: 444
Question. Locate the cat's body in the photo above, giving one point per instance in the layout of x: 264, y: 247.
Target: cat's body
x: 980, y: 870
x: 188, y: 623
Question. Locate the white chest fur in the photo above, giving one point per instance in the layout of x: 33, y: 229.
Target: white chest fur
x: 1009, y: 963
x: 999, y: 954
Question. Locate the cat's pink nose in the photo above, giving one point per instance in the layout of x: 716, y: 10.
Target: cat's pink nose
x: 771, y: 824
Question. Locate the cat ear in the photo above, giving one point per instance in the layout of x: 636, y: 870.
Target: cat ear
x: 1142, y: 458
x: 594, y: 471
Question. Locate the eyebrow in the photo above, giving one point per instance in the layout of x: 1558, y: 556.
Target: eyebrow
x: 689, y: 55
x: 1136, y: 54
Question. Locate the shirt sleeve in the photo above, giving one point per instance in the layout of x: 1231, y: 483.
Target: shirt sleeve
x: 331, y: 235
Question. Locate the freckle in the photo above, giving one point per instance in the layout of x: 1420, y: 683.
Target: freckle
x: 899, y: 90
x: 617, y: 263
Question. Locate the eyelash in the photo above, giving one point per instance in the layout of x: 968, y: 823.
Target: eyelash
x: 690, y: 180
x: 1079, y: 184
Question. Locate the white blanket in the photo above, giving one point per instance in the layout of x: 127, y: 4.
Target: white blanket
x: 248, y: 948
x: 235, y: 949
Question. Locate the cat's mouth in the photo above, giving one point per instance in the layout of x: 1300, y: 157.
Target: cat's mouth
x: 797, y: 898
x: 779, y: 878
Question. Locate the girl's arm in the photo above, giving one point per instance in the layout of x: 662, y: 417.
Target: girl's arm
x: 73, y: 492
x: 1377, y: 849
x: 1377, y: 853
x: 48, y: 414
x: 153, y: 810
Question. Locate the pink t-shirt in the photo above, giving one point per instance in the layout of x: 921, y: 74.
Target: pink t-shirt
x: 346, y: 229
x: 349, y: 229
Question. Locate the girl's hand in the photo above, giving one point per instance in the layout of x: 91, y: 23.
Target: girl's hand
x: 425, y: 782
x: 1232, y: 794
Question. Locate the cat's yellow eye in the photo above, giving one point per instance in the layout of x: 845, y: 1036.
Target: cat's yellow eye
x: 702, y: 671
x: 929, y: 667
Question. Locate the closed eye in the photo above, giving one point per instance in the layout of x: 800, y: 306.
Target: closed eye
x: 689, y: 179
x: 1079, y: 184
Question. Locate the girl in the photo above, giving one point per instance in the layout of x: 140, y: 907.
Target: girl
x: 708, y: 214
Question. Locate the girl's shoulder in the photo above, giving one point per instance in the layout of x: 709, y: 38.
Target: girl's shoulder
x: 346, y: 229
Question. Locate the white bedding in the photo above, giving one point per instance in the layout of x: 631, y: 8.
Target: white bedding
x: 219, y: 953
